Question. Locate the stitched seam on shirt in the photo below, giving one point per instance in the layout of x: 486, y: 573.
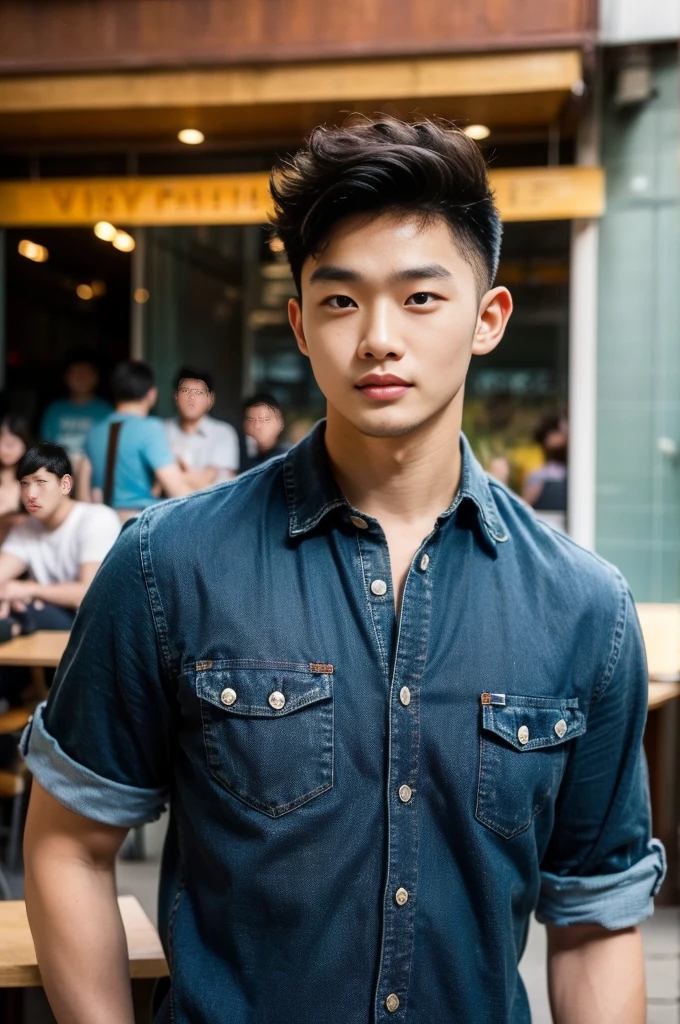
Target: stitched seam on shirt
x: 383, y: 655
x: 616, y: 644
x: 155, y: 603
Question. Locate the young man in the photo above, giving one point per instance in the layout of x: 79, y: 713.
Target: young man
x: 262, y: 427
x: 128, y: 454
x: 61, y: 545
x: 206, y: 449
x: 67, y: 421
x: 394, y: 712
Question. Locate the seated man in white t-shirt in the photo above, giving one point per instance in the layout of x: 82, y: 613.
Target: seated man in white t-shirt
x: 206, y: 449
x: 60, y: 546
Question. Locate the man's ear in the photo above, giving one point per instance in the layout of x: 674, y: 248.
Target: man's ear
x: 492, y: 318
x: 295, y: 318
x: 67, y: 483
x: 152, y: 397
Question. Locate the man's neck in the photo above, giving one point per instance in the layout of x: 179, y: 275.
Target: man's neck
x: 132, y: 408
x: 411, y: 479
x: 190, y: 426
x: 60, y: 515
x: 81, y: 399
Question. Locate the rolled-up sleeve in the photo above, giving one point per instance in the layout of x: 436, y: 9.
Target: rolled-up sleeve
x: 100, y: 744
x: 602, y: 865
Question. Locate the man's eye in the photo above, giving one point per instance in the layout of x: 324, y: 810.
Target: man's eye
x: 341, y: 302
x: 421, y: 298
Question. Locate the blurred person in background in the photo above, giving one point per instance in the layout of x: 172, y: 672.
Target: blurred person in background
x: 15, y: 438
x: 499, y: 469
x: 299, y: 428
x: 67, y: 421
x: 546, y: 488
x: 206, y: 449
x: 60, y: 544
x: 127, y: 457
x: 262, y: 426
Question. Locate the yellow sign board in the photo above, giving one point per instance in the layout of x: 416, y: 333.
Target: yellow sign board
x: 534, y: 193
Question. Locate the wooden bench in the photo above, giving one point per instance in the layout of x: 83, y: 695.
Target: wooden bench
x: 19, y: 966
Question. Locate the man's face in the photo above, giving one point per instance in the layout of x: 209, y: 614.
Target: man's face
x: 81, y: 379
x: 390, y: 317
x: 264, y: 424
x: 43, y: 492
x: 193, y: 399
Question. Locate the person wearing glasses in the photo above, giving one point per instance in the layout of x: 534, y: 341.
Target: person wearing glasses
x: 206, y: 449
x: 262, y: 426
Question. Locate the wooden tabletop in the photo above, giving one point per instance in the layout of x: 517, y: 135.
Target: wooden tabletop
x: 661, y: 693
x: 18, y: 964
x: 37, y: 650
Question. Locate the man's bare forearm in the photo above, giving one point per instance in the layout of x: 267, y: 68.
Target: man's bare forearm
x: 596, y: 976
x: 77, y: 929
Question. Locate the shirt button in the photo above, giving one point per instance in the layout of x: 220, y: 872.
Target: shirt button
x: 360, y: 523
x: 523, y: 734
x: 401, y: 897
x: 379, y: 588
x: 277, y: 700
x: 405, y: 794
x: 405, y: 696
x: 424, y: 562
x: 561, y: 728
x: 392, y: 1002
x: 228, y: 696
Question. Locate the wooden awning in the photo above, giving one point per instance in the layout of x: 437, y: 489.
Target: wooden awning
x: 250, y: 105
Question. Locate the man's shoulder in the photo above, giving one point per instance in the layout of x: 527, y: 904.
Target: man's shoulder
x: 217, y: 427
x: 95, y: 513
x: 547, y: 552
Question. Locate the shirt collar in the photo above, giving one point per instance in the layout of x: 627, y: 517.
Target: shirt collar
x: 312, y: 492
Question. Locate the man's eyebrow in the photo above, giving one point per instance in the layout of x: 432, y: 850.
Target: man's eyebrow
x: 331, y: 273
x: 424, y: 272
x: 431, y: 271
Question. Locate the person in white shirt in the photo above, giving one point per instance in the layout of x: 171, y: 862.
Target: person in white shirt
x: 206, y: 449
x: 60, y: 546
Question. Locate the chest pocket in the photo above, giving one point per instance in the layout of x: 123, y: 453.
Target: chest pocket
x: 268, y: 731
x: 523, y: 752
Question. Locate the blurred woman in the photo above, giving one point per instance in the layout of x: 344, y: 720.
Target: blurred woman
x: 15, y: 438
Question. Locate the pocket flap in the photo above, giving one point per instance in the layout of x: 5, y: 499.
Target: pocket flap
x: 262, y: 689
x: 529, y: 723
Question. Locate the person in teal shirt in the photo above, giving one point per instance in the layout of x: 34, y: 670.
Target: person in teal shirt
x: 144, y: 464
x: 67, y: 421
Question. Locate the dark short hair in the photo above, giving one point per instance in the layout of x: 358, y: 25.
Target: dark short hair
x: 19, y: 426
x: 131, y: 381
x: 188, y: 373
x: 76, y: 356
x: 262, y: 398
x: 44, y: 455
x: 431, y: 169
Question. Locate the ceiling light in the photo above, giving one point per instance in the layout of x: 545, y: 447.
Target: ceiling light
x: 477, y: 132
x: 32, y: 251
x: 123, y: 241
x: 105, y: 231
x: 276, y: 245
x: 191, y: 136
x: 98, y: 289
x: 140, y: 295
x: 84, y: 291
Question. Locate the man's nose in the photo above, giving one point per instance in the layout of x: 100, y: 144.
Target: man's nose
x: 380, y: 334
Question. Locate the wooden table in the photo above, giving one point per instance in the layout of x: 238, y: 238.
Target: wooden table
x: 19, y: 966
x: 38, y: 650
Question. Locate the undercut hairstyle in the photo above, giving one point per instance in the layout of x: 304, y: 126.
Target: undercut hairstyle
x: 131, y: 381
x: 47, y: 456
x: 373, y: 167
x: 188, y: 373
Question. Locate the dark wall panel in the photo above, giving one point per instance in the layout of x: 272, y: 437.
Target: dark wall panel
x: 71, y: 35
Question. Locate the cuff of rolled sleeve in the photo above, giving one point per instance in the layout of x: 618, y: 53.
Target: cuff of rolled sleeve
x: 616, y: 901
x: 82, y: 790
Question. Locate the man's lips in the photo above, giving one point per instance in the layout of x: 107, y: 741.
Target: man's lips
x: 382, y: 386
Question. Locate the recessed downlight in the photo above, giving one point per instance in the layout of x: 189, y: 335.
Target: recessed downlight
x: 477, y: 132
x: 191, y: 136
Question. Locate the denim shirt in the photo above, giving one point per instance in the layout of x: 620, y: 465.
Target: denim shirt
x: 364, y: 810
